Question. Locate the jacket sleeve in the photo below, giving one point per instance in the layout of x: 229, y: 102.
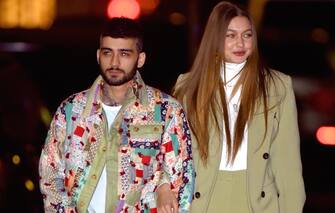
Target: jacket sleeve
x: 51, y: 167
x: 177, y: 156
x: 286, y: 162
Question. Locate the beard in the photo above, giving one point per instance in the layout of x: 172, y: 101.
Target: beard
x: 117, y: 81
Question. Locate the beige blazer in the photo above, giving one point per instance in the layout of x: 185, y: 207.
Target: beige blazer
x: 274, y: 171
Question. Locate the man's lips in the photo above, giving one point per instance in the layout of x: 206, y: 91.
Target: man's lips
x: 114, y: 71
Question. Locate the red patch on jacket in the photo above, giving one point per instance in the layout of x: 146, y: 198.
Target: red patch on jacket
x: 146, y: 160
x: 79, y: 131
x: 168, y: 146
x: 66, y: 181
x: 139, y: 173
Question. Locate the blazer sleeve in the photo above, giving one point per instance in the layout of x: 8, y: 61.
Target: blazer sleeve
x: 286, y: 161
x: 177, y: 157
x: 51, y: 167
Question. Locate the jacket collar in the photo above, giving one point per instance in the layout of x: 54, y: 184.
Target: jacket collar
x: 136, y: 92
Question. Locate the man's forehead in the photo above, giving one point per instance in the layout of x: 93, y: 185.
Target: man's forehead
x: 110, y: 41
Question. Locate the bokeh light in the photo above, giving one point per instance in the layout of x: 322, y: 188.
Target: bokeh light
x: 177, y: 18
x: 29, y: 185
x: 320, y: 35
x: 326, y: 135
x: 27, y: 14
x: 148, y: 6
x: 123, y: 8
x: 16, y: 159
x: 45, y: 116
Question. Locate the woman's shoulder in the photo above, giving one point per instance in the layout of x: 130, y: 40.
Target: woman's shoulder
x: 280, y: 76
x: 279, y: 83
x: 182, y: 78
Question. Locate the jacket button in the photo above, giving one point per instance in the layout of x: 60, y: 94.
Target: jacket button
x: 263, y: 194
x: 266, y: 155
x: 197, y: 195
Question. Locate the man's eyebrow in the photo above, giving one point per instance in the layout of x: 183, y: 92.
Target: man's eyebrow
x: 121, y: 50
x: 105, y: 48
x: 126, y: 50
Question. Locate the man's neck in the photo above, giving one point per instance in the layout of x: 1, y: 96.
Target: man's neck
x: 114, y: 95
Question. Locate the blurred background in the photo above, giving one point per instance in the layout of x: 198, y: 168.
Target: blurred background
x: 48, y: 52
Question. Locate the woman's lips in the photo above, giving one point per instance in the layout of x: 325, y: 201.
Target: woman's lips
x: 239, y: 53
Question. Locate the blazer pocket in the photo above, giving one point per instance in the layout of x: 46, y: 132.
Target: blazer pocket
x: 269, y: 201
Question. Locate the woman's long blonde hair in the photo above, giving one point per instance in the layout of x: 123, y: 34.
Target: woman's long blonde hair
x: 202, y: 91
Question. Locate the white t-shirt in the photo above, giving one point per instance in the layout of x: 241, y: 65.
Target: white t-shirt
x: 97, y: 204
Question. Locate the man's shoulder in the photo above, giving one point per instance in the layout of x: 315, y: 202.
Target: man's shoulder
x: 76, y: 98
x: 164, y: 97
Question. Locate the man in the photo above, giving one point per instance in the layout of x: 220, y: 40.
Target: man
x: 121, y: 145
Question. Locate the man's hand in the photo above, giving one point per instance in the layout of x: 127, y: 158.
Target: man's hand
x: 166, y: 201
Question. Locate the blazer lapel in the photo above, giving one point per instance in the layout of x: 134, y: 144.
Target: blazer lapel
x: 256, y: 127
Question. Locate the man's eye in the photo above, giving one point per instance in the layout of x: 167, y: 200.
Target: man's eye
x: 125, y: 54
x: 106, y: 52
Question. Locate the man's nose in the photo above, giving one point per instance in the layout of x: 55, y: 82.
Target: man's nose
x: 115, y: 61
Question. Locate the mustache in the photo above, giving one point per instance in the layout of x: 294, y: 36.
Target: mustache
x: 114, y: 69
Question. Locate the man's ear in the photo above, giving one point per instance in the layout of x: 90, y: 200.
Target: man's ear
x: 98, y: 55
x: 141, y: 60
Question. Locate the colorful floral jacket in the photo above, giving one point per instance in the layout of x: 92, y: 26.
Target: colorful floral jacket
x: 148, y: 144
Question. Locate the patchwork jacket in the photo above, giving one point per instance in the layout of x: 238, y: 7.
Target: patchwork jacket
x: 148, y: 144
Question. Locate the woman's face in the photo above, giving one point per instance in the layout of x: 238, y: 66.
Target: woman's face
x: 238, y: 40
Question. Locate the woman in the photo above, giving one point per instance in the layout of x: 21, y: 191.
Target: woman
x: 243, y: 120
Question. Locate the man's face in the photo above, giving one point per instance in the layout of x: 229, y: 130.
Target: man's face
x: 119, y: 59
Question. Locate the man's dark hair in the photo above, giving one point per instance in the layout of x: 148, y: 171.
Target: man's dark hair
x: 124, y: 28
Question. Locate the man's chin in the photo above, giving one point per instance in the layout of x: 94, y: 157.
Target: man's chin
x: 117, y: 81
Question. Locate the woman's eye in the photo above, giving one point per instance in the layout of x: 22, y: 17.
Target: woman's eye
x: 248, y: 35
